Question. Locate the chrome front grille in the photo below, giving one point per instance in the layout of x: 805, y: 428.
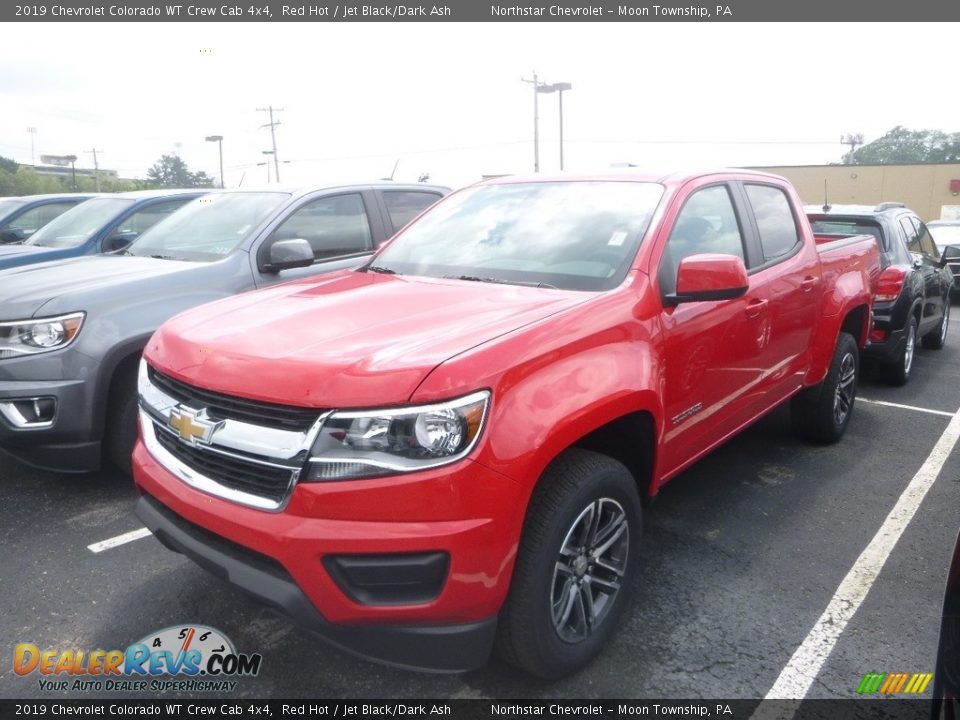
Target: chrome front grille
x: 254, y: 477
x: 219, y: 406
x: 220, y: 445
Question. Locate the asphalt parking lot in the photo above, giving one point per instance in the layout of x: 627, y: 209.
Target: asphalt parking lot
x: 742, y: 555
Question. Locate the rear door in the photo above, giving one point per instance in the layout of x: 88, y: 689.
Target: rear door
x: 788, y: 282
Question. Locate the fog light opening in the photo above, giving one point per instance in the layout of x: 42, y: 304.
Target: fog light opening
x: 29, y: 412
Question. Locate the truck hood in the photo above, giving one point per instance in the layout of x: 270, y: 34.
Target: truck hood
x: 350, y: 340
x: 69, y: 285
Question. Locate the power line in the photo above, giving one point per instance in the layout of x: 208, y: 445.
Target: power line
x: 273, y: 136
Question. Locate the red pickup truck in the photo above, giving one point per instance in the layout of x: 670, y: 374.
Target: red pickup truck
x: 448, y: 449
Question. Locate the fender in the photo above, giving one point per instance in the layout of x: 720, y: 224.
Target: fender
x: 552, y: 385
x: 850, y: 293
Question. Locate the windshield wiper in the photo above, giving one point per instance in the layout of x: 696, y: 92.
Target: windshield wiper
x: 500, y: 281
x: 163, y: 257
x: 380, y: 269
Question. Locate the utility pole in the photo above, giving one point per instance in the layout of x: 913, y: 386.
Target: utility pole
x: 96, y: 167
x: 33, y: 134
x: 273, y: 136
x: 536, y: 120
x: 852, y: 140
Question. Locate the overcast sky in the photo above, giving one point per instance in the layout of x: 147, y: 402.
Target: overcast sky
x: 447, y: 98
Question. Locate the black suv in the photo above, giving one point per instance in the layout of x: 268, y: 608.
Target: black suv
x: 913, y: 292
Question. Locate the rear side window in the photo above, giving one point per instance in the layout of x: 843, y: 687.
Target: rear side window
x: 775, y: 221
x: 404, y: 206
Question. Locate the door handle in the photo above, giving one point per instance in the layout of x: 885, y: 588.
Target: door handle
x: 808, y: 283
x: 754, y: 308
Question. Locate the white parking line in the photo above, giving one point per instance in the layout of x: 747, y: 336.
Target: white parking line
x: 802, y: 669
x: 118, y: 540
x: 944, y: 413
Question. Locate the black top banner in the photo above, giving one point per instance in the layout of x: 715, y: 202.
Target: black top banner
x: 857, y: 11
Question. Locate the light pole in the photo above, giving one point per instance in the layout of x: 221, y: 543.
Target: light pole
x: 537, y: 88
x: 560, y: 88
x: 219, y: 140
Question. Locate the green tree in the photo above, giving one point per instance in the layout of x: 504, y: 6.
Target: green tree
x: 172, y: 171
x: 7, y: 164
x: 902, y: 145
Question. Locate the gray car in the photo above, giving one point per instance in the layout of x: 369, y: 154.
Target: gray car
x: 71, y: 332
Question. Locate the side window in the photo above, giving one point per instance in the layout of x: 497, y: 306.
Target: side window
x: 911, y: 235
x: 333, y: 226
x: 404, y: 205
x: 707, y: 223
x: 149, y: 216
x: 927, y: 245
x: 775, y: 221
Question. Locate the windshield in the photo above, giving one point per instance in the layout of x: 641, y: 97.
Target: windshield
x: 8, y: 205
x: 75, y: 226
x: 569, y: 235
x: 208, y: 228
x: 945, y: 234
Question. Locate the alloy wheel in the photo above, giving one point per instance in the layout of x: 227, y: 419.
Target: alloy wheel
x: 846, y: 389
x: 589, y: 570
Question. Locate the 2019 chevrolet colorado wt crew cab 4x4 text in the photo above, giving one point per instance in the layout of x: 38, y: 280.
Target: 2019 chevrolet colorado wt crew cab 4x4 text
x: 447, y: 448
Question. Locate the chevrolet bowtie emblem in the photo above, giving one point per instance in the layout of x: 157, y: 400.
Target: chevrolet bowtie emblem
x: 192, y: 426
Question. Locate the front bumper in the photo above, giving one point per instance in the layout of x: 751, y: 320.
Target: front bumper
x: 470, y: 514
x: 65, y: 443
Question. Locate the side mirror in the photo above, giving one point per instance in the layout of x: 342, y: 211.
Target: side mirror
x: 710, y: 277
x: 12, y: 235
x: 118, y: 241
x: 288, y: 254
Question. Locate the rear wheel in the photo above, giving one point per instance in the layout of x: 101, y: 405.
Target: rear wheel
x: 821, y: 413
x: 899, y: 371
x: 575, y: 567
x: 936, y: 339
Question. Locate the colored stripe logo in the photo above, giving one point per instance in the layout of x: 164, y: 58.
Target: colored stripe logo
x: 894, y: 683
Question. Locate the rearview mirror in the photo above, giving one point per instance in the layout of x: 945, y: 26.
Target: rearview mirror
x: 710, y: 277
x: 288, y: 254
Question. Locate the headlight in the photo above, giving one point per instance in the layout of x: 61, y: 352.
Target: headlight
x: 29, y: 337
x: 373, y: 443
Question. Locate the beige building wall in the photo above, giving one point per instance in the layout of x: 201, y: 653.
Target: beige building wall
x: 923, y: 188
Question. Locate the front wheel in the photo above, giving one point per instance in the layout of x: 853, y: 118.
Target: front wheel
x: 821, y: 413
x: 575, y: 566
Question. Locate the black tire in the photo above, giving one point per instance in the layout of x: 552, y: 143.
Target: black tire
x: 821, y: 413
x: 937, y: 338
x: 898, y: 372
x: 120, y: 432
x: 534, y: 633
